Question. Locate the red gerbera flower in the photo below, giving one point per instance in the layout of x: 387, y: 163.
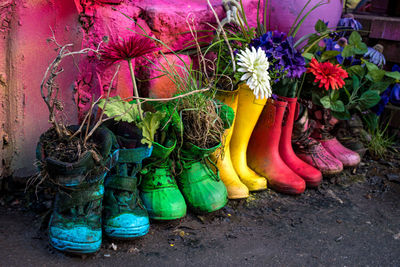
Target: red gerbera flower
x: 133, y: 47
x: 327, y: 74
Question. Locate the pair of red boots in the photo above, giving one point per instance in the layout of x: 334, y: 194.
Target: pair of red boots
x: 270, y: 151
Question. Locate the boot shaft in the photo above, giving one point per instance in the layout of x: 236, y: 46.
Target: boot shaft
x: 269, y: 126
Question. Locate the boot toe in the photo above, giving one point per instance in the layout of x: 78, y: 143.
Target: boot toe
x: 79, y: 239
x: 294, y: 186
x: 164, y: 203
x: 346, y: 156
x: 237, y: 191
x: 128, y: 225
x: 254, y: 183
x: 205, y: 196
x: 313, y: 179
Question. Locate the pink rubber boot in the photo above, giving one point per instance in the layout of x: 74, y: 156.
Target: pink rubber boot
x: 310, y: 150
x: 324, y: 124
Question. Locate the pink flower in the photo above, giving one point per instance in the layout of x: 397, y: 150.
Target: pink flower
x: 133, y: 47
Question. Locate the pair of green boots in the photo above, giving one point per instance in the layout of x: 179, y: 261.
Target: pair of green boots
x: 196, y: 186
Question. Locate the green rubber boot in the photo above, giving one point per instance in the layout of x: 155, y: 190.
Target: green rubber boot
x: 200, y: 186
x: 158, y: 190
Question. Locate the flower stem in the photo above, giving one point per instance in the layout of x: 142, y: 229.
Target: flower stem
x: 135, y: 90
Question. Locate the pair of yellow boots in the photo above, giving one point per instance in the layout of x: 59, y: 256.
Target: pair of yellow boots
x: 238, y: 178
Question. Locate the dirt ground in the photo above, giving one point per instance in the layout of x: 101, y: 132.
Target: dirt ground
x: 351, y: 220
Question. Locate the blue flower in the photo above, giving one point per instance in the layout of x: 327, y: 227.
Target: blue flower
x: 396, y: 68
x: 375, y: 55
x: 281, y: 53
x: 331, y: 45
x: 380, y: 107
x: 395, y: 95
x: 349, y: 23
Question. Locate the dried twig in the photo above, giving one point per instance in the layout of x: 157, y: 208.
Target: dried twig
x: 101, y: 120
x: 48, y: 87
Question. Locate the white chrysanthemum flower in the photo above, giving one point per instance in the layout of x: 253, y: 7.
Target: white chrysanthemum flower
x: 254, y: 63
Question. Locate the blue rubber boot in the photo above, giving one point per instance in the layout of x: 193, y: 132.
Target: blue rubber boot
x: 124, y: 216
x: 75, y: 224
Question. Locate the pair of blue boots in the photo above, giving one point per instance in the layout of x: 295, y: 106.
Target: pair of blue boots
x: 96, y: 197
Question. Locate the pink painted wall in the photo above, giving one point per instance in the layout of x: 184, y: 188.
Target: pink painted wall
x: 25, y: 54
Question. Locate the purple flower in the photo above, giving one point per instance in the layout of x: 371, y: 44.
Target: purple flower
x: 349, y: 23
x: 132, y: 47
x: 281, y: 53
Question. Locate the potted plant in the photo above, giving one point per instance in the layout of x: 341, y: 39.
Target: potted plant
x: 75, y: 159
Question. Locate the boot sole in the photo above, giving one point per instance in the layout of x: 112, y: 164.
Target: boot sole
x: 126, y: 232
x: 73, y: 247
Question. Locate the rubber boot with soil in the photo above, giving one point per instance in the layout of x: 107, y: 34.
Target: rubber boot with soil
x: 124, y: 216
x: 222, y: 157
x: 75, y: 224
x: 248, y: 112
x: 310, y: 150
x: 324, y: 125
x: 200, y: 186
x: 309, y: 174
x: 158, y: 189
x: 263, y: 151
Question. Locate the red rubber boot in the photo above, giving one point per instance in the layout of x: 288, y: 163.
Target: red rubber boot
x: 310, y: 175
x: 263, y: 151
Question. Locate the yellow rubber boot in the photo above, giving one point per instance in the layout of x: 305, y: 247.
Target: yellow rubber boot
x: 222, y: 157
x: 248, y: 111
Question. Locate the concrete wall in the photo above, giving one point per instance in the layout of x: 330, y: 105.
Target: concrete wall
x: 25, y: 54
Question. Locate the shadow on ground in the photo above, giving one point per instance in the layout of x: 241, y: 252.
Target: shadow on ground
x: 351, y: 220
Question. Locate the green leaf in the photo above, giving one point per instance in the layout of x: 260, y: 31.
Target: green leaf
x: 355, y: 38
x: 376, y: 75
x: 348, y: 51
x: 370, y: 66
x: 325, y: 102
x: 356, y: 82
x: 380, y: 86
x: 150, y: 125
x: 329, y: 54
x: 320, y: 26
x: 360, y: 48
x: 356, y: 70
x: 337, y: 106
x: 342, y: 115
x: 394, y: 74
x: 369, y: 99
x: 308, y: 56
x: 335, y: 95
x: 121, y: 110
